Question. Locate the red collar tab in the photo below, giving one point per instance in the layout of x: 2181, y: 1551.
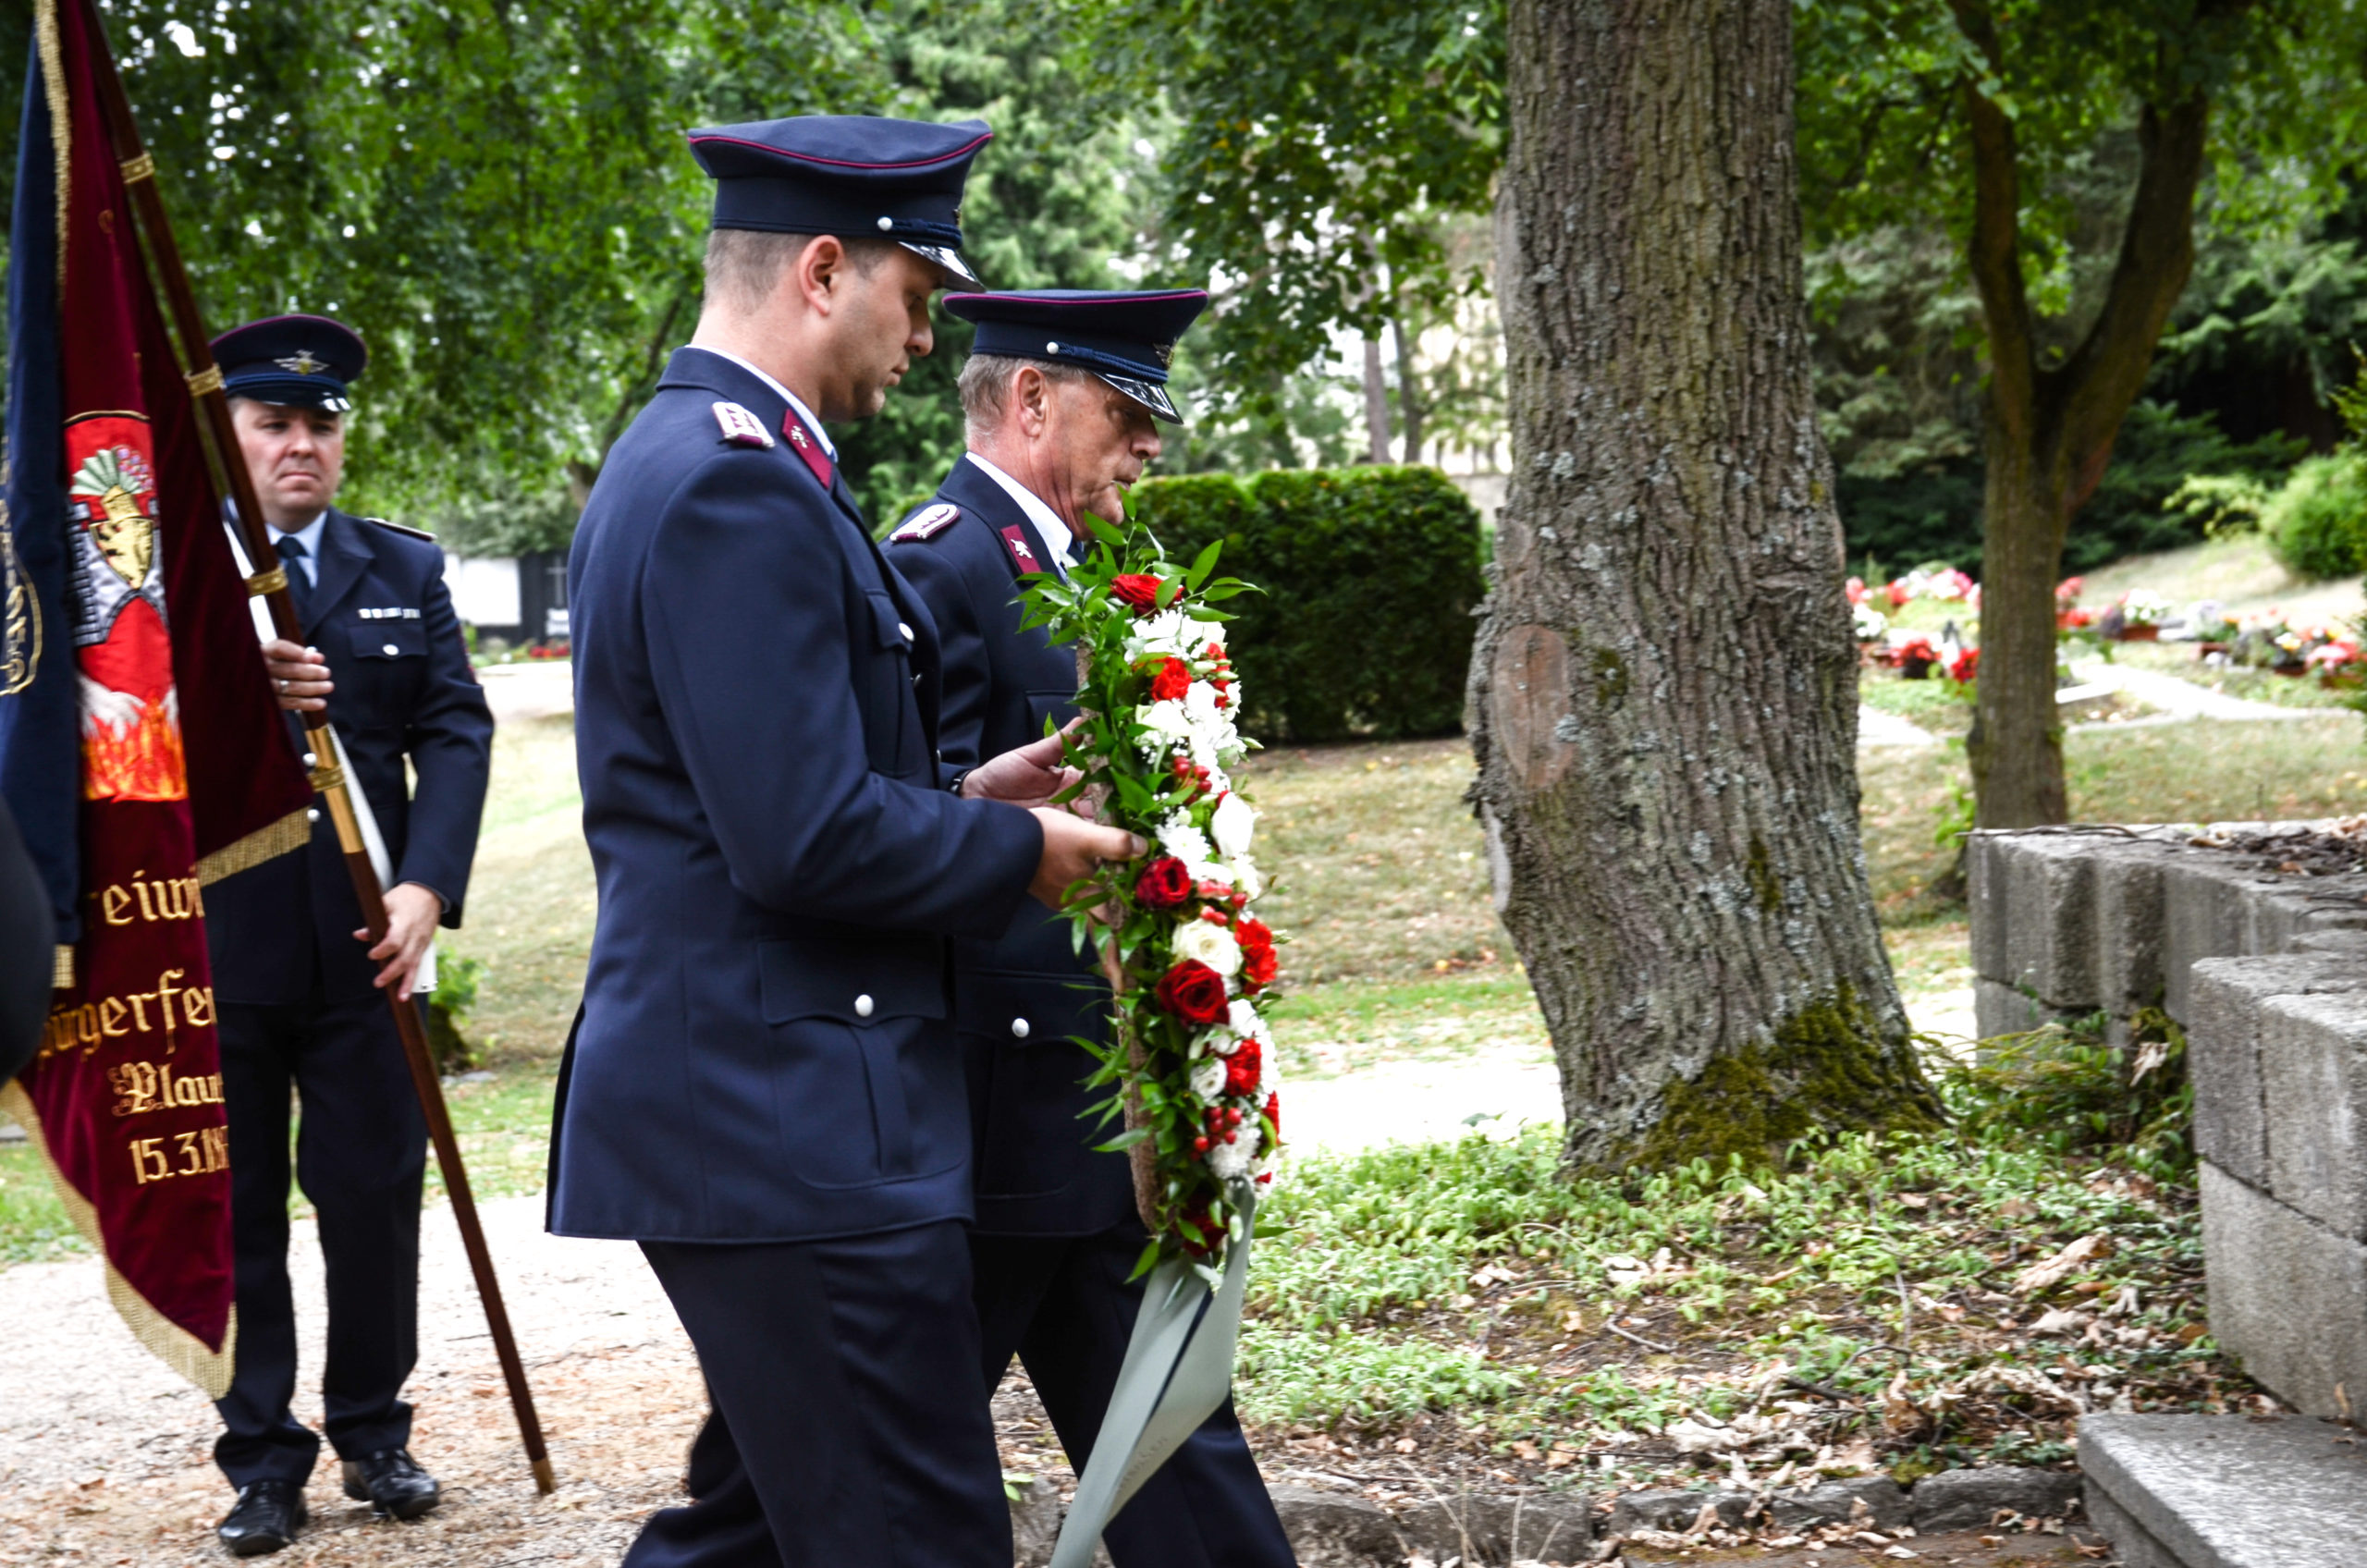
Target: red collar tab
x: 1023, y: 554
x: 807, y: 447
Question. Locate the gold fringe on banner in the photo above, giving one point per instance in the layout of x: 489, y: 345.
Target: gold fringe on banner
x: 160, y: 1336
x: 288, y: 835
x: 61, y: 125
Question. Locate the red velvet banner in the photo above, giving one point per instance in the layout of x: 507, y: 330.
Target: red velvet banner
x: 187, y: 771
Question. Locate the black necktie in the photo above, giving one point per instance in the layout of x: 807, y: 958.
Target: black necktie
x: 299, y: 582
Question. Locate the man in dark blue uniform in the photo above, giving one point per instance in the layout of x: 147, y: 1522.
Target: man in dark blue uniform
x: 1061, y: 393
x: 763, y: 1089
x: 303, y: 992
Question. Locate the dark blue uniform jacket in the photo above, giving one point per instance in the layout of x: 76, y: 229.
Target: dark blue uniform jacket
x: 765, y: 1052
x: 380, y: 613
x: 1018, y: 1000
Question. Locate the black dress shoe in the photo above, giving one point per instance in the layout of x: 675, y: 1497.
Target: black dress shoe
x: 391, y: 1482
x: 266, y: 1517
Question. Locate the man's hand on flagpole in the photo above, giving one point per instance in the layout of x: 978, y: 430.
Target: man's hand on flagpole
x: 412, y: 913
x: 301, y: 675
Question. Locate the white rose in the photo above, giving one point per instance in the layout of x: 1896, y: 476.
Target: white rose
x: 1164, y: 718
x: 1207, y: 1080
x: 1211, y: 945
x: 1245, y: 876
x: 1231, y: 825
x: 1169, y: 632
x: 1230, y: 1161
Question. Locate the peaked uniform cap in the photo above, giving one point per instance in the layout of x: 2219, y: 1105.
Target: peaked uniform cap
x: 297, y: 362
x: 847, y: 174
x: 1125, y: 337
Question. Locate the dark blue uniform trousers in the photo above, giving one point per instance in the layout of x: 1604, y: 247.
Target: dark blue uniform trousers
x: 360, y: 1147
x: 840, y: 1432
x: 1063, y: 1305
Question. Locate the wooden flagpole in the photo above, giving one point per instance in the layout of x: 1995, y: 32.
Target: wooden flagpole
x: 271, y: 582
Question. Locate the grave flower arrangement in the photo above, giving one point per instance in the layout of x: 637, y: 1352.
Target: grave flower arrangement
x: 1190, y: 1064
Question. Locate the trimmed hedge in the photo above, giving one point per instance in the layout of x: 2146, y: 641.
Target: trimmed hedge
x: 2318, y: 521
x: 1370, y: 576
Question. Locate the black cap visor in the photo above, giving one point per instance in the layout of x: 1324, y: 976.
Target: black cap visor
x: 291, y: 392
x: 948, y: 260
x: 1149, y: 393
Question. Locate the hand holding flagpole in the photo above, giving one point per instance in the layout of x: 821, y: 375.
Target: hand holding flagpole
x: 323, y: 757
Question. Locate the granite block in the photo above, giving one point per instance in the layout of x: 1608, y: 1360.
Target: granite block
x: 1336, y: 1529
x: 2313, y: 1086
x: 2227, y: 1491
x: 1971, y: 1499
x: 2204, y: 916
x: 1835, y: 1502
x: 1675, y: 1510
x: 1547, y: 1527
x: 2286, y: 1296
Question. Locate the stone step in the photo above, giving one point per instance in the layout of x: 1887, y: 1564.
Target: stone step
x: 2227, y: 1491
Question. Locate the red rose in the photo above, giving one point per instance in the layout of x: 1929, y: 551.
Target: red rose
x: 1164, y: 883
x: 1240, y: 1070
x: 1193, y: 992
x: 1139, y: 589
x: 1171, y: 681
x: 1259, y: 964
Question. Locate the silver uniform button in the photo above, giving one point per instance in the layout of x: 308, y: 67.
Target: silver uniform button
x: 862, y: 1007
x: 1019, y: 1028
x: 391, y: 650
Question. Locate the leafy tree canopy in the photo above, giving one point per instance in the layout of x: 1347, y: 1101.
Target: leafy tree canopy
x: 497, y: 196
x: 1318, y: 144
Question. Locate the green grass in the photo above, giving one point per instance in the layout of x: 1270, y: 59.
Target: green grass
x: 32, y: 1222
x: 1468, y: 1281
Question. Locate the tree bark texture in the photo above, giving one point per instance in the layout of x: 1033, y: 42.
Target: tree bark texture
x: 1376, y: 404
x: 2048, y: 429
x: 1409, y: 390
x: 1663, y: 693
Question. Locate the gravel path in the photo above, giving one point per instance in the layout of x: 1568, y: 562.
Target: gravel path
x: 2179, y: 699
x: 1876, y: 728
x: 104, y: 1455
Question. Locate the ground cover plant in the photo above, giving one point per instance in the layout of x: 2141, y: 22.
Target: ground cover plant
x: 1897, y: 1303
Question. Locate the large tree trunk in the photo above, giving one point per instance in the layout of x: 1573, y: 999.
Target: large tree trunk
x: 1663, y: 693
x: 2048, y: 432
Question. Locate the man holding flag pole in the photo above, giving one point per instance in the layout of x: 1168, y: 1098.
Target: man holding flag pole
x: 302, y: 985
x: 140, y: 752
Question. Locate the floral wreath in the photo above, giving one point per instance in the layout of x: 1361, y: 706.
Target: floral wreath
x: 1189, y: 1062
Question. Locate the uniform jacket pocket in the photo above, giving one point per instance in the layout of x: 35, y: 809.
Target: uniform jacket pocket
x: 866, y: 1085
